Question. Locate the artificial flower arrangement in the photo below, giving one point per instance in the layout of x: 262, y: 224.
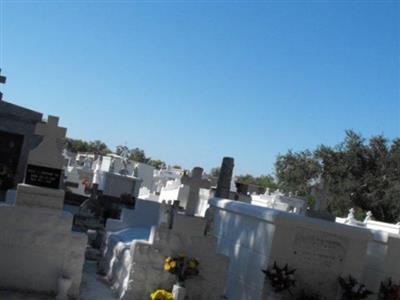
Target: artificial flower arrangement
x: 182, y: 267
x: 281, y: 279
x: 161, y: 295
x: 389, y: 291
x: 352, y: 289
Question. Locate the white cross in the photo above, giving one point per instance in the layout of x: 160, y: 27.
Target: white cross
x: 195, y: 183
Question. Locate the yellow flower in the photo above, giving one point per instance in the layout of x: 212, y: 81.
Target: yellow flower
x: 161, y: 295
x: 167, y: 267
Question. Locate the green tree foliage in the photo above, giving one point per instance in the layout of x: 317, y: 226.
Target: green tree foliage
x: 356, y: 173
x: 215, y: 171
x: 266, y: 181
x: 99, y: 148
x: 139, y: 155
x: 77, y: 145
x: 156, y: 163
x: 122, y: 149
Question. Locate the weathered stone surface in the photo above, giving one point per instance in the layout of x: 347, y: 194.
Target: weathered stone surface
x: 255, y: 237
x: 33, y: 196
x: 187, y: 237
x: 225, y: 178
x: 37, y: 246
x: 195, y: 183
x: 19, y: 122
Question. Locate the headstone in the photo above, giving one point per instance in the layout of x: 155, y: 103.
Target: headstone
x: 225, y: 178
x: 17, y: 138
x: 37, y: 246
x: 146, y: 272
x: 44, y: 170
x: 256, y: 237
x: 195, y: 182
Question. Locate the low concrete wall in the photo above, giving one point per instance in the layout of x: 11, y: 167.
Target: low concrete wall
x: 37, y: 247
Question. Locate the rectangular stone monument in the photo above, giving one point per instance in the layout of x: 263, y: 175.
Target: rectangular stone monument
x: 37, y: 246
x: 256, y: 237
x: 17, y: 125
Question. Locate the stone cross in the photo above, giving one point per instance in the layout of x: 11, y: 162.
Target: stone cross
x: 195, y: 183
x: 2, y: 80
x: 50, y: 130
x: 49, y: 153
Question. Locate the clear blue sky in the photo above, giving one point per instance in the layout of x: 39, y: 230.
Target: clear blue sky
x: 193, y: 81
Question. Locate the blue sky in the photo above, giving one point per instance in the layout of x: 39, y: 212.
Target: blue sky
x: 193, y: 81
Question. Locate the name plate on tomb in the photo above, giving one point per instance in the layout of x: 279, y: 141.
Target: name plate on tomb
x: 319, y: 259
x: 43, y: 176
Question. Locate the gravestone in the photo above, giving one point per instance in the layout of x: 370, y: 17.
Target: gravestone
x: 195, y: 183
x: 17, y: 125
x: 147, y: 273
x: 37, y: 246
x: 256, y: 237
x: 44, y: 170
x: 225, y: 178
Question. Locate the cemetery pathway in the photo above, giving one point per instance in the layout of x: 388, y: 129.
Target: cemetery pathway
x: 92, y: 287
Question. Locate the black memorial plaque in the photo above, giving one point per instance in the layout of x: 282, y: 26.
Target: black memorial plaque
x: 42, y: 176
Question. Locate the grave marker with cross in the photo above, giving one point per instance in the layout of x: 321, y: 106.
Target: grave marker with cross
x: 3, y: 81
x: 45, y: 162
x: 195, y: 183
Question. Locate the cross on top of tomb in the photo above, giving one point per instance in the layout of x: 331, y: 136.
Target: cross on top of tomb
x: 3, y: 81
x: 50, y: 130
x: 196, y: 180
x: 195, y: 183
x: 49, y: 152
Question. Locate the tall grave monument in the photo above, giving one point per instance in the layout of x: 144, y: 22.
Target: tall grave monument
x: 225, y: 178
x: 37, y: 247
x: 17, y: 125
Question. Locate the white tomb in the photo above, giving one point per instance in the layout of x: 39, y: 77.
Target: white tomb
x: 255, y: 237
x: 144, y: 260
x: 36, y: 243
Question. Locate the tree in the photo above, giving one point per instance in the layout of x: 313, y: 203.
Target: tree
x: 120, y: 150
x: 215, y: 171
x: 99, y: 148
x: 138, y: 155
x: 158, y: 164
x: 297, y: 171
x: 356, y: 173
x: 77, y: 145
x: 266, y: 181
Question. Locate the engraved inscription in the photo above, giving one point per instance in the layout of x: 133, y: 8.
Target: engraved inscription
x: 319, y: 250
x: 42, y: 176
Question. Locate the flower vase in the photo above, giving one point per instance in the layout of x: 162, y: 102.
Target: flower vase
x: 178, y: 292
x: 63, y: 286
